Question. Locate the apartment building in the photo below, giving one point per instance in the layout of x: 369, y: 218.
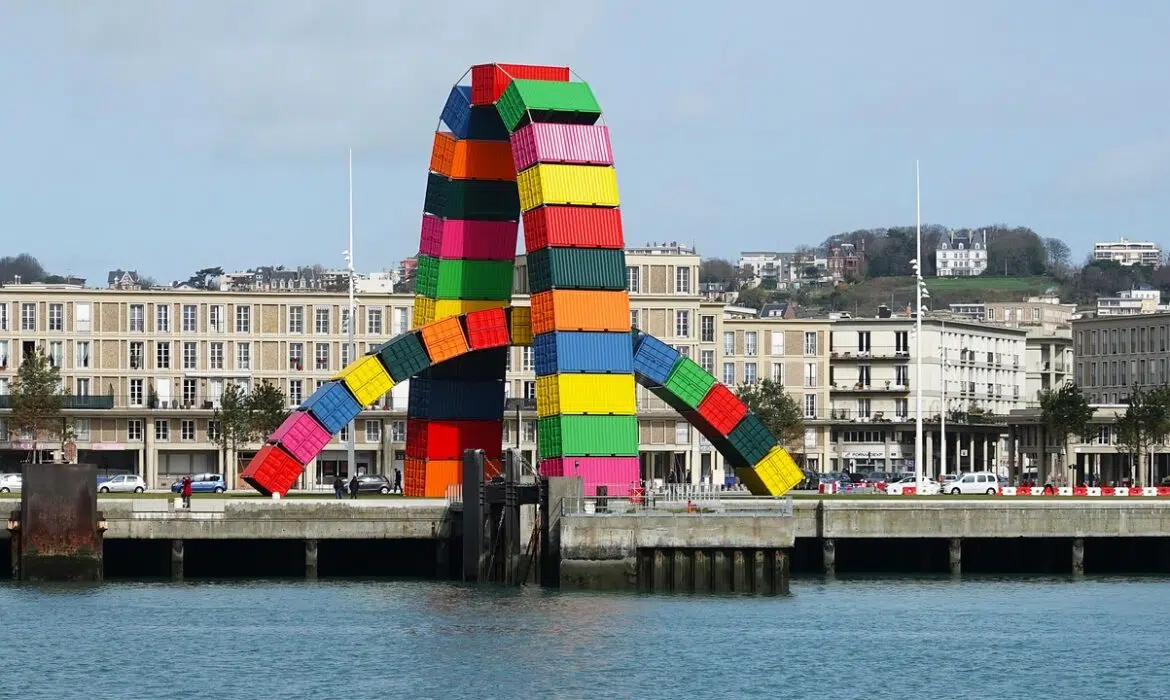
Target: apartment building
x: 1032, y: 311
x: 1115, y: 353
x: 1127, y: 252
x: 1139, y: 300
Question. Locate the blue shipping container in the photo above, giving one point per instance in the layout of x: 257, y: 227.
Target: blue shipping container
x: 582, y: 351
x: 653, y: 361
x: 452, y: 399
x: 467, y: 122
x: 332, y: 405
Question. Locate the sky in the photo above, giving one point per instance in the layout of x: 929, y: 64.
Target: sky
x: 170, y: 136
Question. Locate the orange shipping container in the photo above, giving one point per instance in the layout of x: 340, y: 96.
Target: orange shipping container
x: 444, y: 339
x: 580, y: 310
x: 430, y: 478
x: 472, y: 160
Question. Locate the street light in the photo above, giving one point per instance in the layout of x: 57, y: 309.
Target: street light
x: 351, y: 459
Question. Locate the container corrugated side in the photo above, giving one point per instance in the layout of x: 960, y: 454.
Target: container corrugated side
x: 487, y: 329
x: 460, y: 239
x: 582, y: 351
x: 426, y: 275
x: 561, y: 143
x: 441, y: 473
x: 520, y: 325
x: 573, y: 310
x: 547, y: 101
x: 468, y: 122
x: 332, y: 405
x: 617, y: 474
x: 689, y: 382
x: 444, y: 339
x: 586, y: 394
x: 423, y: 311
x: 301, y: 435
x: 477, y: 364
x: 486, y: 200
x: 447, y: 439
x: 366, y: 379
x: 448, y: 399
x: 582, y: 185
x: 489, y: 80
x: 474, y: 160
x: 443, y: 152
x: 653, y: 360
x: 778, y: 472
x: 572, y: 226
x: 403, y: 356
x: 472, y: 280
x: 751, y: 439
x: 602, y: 269
x: 722, y: 408
x: 446, y: 308
x: 272, y: 470
x: 589, y: 436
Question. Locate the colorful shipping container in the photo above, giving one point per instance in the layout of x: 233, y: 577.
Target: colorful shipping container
x: 471, y: 160
x: 444, y: 339
x: 447, y: 439
x: 561, y: 143
x: 583, y: 185
x: 589, y: 436
x: 582, y: 351
x: 332, y: 405
x: 468, y: 240
x: 468, y: 122
x: 366, y: 378
x: 653, y: 359
x: 585, y: 394
x: 464, y: 279
x: 487, y: 200
x: 302, y: 436
x: 572, y: 310
x: 618, y: 474
x: 602, y: 269
x: 403, y: 357
x: 547, y: 101
x: 445, y: 399
x: 272, y: 470
x: 489, y: 80
x: 570, y: 226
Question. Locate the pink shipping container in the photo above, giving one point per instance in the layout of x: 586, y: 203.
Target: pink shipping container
x: 301, y: 435
x: 619, y: 474
x: 459, y: 239
x: 561, y: 143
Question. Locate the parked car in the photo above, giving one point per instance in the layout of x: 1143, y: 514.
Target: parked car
x: 374, y: 483
x: 202, y: 483
x: 811, y: 480
x: 10, y: 482
x: 930, y: 487
x: 122, y: 483
x: 974, y: 482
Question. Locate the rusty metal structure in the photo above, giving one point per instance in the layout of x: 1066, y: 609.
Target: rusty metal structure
x: 57, y: 533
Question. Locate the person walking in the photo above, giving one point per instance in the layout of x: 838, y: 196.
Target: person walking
x: 338, y: 487
x: 397, y: 480
x: 186, y: 490
x: 353, y: 487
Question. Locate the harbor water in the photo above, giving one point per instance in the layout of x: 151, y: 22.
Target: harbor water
x: 854, y: 638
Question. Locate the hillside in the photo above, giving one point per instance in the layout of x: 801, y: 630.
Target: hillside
x: 864, y: 297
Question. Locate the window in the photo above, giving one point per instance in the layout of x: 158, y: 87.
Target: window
x: 373, y: 431
x: 778, y: 373
x: 56, y: 317
x: 321, y: 320
x: 633, y: 318
x: 296, y: 391
x: 345, y: 321
x: 4, y: 317
x: 162, y: 355
x: 243, y: 319
x: 28, y: 317
x: 398, y: 431
x: 4, y: 386
x: 321, y: 356
x: 190, y: 318
x: 81, y: 317
x: 243, y: 356
x: 215, y: 356
x: 684, y: 350
x: 810, y: 405
x: 187, y: 431
x: 529, y: 427
x: 137, y: 355
x: 810, y: 343
x: 134, y: 430
x: 707, y: 329
x: 810, y: 374
x: 530, y: 391
x: 162, y: 429
x: 778, y: 343
x: 57, y: 354
x: 296, y: 356
x: 190, y: 356
x: 190, y: 392
x: 215, y: 318
x: 80, y: 354
x: 863, y: 338
x: 902, y: 408
x: 3, y: 351
x: 749, y: 373
x: 162, y: 318
x: 682, y: 280
x: 632, y: 279
x: 707, y: 361
x: 296, y: 319
x: 137, y: 318
x: 902, y: 375
x: 682, y: 433
x: 729, y: 373
x: 136, y: 397
x: 213, y: 433
x: 682, y: 324
x: 863, y: 408
x: 401, y: 321
x: 346, y: 354
x: 373, y: 321
x: 902, y: 341
x: 729, y: 343
x: 81, y: 429
x: 526, y: 356
x: 749, y: 343
x: 82, y: 387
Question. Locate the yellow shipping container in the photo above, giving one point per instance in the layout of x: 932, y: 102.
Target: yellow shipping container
x: 423, y: 312
x: 749, y: 478
x: 367, y: 379
x: 587, y: 185
x: 446, y: 308
x: 581, y: 394
x: 776, y: 474
x: 522, y: 325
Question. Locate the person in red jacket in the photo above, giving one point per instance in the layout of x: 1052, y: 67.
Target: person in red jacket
x: 186, y: 491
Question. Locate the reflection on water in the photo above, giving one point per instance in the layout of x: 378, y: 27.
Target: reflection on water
x: 847, y: 638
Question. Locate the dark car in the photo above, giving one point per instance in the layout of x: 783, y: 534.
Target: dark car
x: 374, y: 483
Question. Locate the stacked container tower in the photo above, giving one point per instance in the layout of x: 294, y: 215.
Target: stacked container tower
x: 524, y: 144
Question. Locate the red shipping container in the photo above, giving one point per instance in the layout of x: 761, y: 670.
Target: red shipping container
x: 301, y: 435
x: 618, y: 474
x: 577, y: 144
x: 487, y: 329
x: 272, y: 470
x: 722, y: 409
x: 703, y: 426
x: 414, y: 477
x: 569, y: 227
x: 447, y: 439
x: 489, y: 80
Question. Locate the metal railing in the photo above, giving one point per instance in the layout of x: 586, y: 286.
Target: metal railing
x: 678, y: 499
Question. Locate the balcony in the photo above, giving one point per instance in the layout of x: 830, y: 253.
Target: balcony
x: 73, y: 403
x: 883, y: 388
x: 867, y: 355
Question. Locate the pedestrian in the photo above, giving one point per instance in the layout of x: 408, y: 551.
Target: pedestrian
x: 398, y: 480
x: 187, y: 491
x: 338, y: 487
x: 353, y: 487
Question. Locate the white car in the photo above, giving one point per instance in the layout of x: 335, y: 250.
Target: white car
x: 10, y: 482
x: 930, y: 487
x: 974, y: 482
x: 123, y: 483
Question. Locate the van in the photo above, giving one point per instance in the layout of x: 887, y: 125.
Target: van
x: 974, y: 482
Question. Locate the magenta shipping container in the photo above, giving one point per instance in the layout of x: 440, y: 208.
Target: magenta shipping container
x: 468, y: 240
x: 619, y: 474
x: 302, y: 436
x: 561, y: 143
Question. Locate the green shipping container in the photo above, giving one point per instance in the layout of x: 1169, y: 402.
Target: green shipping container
x: 576, y: 268
x: 547, y: 101
x: 403, y: 357
x: 688, y: 382
x: 485, y: 200
x: 751, y: 439
x: 588, y: 436
x: 463, y: 279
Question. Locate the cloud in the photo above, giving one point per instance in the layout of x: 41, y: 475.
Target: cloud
x: 304, y: 78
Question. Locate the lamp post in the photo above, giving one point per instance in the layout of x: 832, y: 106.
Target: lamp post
x: 351, y: 459
x: 920, y: 292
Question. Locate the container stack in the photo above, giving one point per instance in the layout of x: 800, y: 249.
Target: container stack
x: 580, y: 310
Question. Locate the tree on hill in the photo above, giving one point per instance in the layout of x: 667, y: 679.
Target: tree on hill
x: 24, y: 266
x: 1063, y: 412
x: 1015, y: 251
x: 717, y: 270
x: 1059, y: 257
x: 779, y: 412
x: 37, y: 399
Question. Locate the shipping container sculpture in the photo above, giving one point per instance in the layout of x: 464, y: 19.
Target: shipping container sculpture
x: 522, y: 143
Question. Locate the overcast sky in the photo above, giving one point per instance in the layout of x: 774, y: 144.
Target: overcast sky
x: 168, y: 136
